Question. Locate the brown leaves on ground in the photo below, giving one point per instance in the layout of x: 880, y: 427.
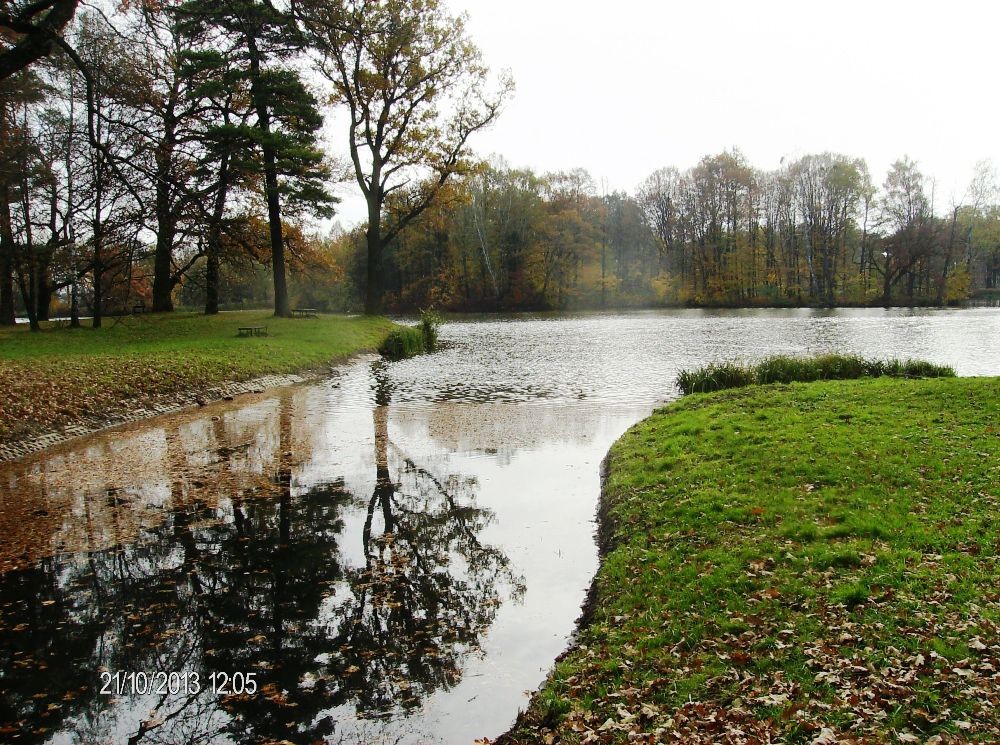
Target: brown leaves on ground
x: 37, y: 396
x: 862, y: 690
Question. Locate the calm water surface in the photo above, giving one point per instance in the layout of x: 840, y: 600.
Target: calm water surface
x: 397, y: 553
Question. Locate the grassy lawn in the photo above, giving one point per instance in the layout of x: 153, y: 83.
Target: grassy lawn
x: 60, y: 375
x: 802, y: 563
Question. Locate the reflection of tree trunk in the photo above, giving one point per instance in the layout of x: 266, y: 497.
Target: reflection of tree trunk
x: 176, y: 468
x: 384, y: 488
x: 278, y: 579
x: 183, y: 514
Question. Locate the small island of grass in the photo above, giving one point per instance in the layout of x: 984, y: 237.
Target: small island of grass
x: 796, y: 563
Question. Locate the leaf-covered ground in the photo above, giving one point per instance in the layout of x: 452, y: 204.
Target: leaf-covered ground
x: 62, y: 376
x: 807, y: 563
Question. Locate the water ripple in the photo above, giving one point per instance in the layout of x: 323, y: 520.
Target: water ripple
x: 633, y: 358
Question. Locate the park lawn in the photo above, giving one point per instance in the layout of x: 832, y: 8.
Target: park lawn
x: 62, y: 375
x: 801, y: 563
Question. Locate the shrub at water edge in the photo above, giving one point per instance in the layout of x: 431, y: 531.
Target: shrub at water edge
x: 430, y: 321
x: 412, y: 340
x: 784, y: 369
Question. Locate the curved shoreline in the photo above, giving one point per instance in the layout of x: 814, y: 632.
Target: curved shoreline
x: 811, y: 543
x: 130, y: 410
x: 60, y: 384
x: 604, y: 537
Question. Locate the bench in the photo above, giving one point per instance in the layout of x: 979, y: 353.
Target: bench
x: 138, y: 308
x: 252, y: 331
x: 304, y: 313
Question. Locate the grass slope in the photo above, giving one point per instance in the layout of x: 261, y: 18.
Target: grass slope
x: 805, y: 563
x: 61, y: 375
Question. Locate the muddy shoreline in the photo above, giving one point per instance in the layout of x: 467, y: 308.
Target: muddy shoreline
x: 129, y: 411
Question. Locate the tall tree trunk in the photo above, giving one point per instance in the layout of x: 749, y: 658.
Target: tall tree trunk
x: 829, y: 267
x: 214, y: 245
x: 162, y: 285
x: 604, y: 271
x: 270, y: 184
x: 212, y: 275
x: 98, y: 267
x: 43, y: 297
x: 166, y: 222
x: 29, y: 288
x: 74, y: 303
x: 28, y: 296
x: 946, y: 267
x: 98, y: 288
x: 887, y: 285
x: 7, y: 316
x: 281, y: 307
x: 373, y: 290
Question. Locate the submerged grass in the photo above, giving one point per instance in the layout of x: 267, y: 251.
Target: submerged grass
x: 61, y: 375
x: 785, y: 369
x: 402, y: 343
x: 787, y: 563
x: 408, y: 341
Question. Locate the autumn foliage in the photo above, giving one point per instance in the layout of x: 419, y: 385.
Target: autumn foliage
x: 815, y: 232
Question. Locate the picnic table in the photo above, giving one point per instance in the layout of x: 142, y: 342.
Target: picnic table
x: 304, y: 313
x: 252, y: 331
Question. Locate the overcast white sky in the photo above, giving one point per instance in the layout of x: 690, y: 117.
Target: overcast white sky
x: 623, y: 87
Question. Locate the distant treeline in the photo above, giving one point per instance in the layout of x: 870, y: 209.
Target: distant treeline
x: 815, y: 232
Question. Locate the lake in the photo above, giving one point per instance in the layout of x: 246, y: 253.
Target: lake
x: 395, y: 554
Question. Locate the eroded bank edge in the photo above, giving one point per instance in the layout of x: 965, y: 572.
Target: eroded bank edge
x: 131, y: 411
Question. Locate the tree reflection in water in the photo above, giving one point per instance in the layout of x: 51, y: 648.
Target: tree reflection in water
x: 257, y: 580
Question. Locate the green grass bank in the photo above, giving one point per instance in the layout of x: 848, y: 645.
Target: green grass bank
x: 62, y: 375
x: 796, y: 563
x: 784, y: 369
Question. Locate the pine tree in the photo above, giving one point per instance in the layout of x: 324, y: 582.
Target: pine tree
x: 258, y: 40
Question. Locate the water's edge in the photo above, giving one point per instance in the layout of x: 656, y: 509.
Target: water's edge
x: 508, y: 431
x: 131, y: 411
x: 604, y: 535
